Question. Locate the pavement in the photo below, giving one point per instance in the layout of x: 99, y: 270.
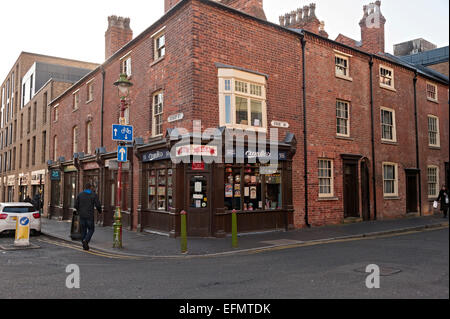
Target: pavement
x: 147, y: 245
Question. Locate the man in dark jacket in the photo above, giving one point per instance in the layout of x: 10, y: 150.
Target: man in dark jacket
x: 444, y: 198
x: 85, y: 204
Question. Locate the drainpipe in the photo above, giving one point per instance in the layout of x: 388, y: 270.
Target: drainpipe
x: 103, y: 106
x: 374, y: 166
x: 417, y: 142
x: 305, y: 131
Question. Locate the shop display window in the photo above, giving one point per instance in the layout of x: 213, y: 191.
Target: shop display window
x: 252, y: 187
x: 160, y: 189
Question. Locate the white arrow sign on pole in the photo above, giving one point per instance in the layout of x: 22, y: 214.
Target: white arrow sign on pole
x: 122, y: 154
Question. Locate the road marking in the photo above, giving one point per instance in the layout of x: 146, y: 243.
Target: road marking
x: 91, y: 252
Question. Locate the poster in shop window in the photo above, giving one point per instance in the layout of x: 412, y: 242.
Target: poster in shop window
x: 228, y: 190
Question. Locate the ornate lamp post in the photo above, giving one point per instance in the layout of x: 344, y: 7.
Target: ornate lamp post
x: 123, y: 88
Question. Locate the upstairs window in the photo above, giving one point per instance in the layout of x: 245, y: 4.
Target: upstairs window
x: 388, y: 129
x: 242, y: 100
x: 342, y: 118
x: 125, y: 65
x: 433, y: 131
x: 90, y: 92
x: 76, y: 100
x: 386, y: 77
x: 432, y: 94
x: 158, y: 111
x: 159, y: 44
x: 342, y: 66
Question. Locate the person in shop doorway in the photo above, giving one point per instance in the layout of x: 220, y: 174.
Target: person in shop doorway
x: 85, y: 204
x: 444, y: 199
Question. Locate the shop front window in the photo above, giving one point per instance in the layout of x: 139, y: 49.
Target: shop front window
x: 253, y: 187
x: 160, y: 189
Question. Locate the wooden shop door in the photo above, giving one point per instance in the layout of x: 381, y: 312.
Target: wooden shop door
x: 199, y: 204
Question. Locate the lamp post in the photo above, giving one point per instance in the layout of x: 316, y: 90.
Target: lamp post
x: 123, y: 88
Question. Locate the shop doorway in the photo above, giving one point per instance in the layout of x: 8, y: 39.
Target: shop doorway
x: 199, y: 205
x: 411, y: 192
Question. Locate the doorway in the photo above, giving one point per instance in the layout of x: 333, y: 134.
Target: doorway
x: 351, y: 190
x: 411, y: 192
x: 199, y: 205
x: 365, y: 190
x: 447, y: 175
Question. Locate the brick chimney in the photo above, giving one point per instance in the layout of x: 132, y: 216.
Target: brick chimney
x: 168, y: 4
x: 118, y: 34
x: 251, y: 7
x: 304, y: 18
x: 372, y: 29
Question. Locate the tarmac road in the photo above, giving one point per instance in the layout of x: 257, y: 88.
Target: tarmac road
x: 413, y: 265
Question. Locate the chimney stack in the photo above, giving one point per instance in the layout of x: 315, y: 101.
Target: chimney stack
x: 118, y: 34
x: 304, y: 18
x: 372, y: 28
x: 251, y: 7
x: 169, y: 4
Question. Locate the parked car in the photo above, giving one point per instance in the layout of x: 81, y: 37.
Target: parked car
x: 9, y: 212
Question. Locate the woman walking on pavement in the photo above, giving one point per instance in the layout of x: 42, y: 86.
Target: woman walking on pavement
x: 444, y: 198
x: 86, y: 202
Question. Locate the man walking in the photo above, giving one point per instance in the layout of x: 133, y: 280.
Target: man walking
x: 444, y: 198
x: 85, y: 204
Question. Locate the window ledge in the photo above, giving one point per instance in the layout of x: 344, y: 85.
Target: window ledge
x: 389, y: 88
x: 74, y: 110
x: 343, y: 77
x: 437, y: 148
x: 327, y: 199
x: 157, y: 61
x: 90, y: 101
x: 431, y: 100
x: 392, y: 197
x: 389, y: 143
x: 347, y: 138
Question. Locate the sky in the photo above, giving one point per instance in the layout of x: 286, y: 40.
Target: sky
x: 76, y: 30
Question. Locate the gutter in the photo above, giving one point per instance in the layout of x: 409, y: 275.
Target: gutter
x: 374, y: 166
x: 305, y: 131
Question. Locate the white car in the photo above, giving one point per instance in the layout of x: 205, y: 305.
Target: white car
x: 10, y: 211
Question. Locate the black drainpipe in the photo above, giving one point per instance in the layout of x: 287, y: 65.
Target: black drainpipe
x: 417, y: 142
x: 374, y: 166
x: 305, y: 131
x: 103, y: 106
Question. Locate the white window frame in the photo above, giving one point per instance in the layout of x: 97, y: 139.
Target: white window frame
x: 55, y: 113
x: 76, y: 100
x: 331, y: 178
x: 395, y: 180
x: 154, y: 114
x: 345, y: 57
x: 125, y: 65
x: 55, y: 147
x: 394, y: 125
x: 436, y: 99
x: 437, y: 132
x: 436, y: 188
x: 384, y: 85
x: 156, y: 36
x: 90, y: 91
x: 346, y: 119
x: 89, y: 137
x: 75, y: 139
x: 229, y: 76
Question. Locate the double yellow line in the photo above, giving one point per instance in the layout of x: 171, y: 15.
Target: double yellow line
x: 91, y: 252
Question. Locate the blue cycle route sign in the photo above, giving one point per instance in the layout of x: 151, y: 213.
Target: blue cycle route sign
x: 122, y: 133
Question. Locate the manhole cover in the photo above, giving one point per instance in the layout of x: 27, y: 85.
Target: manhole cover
x: 384, y: 271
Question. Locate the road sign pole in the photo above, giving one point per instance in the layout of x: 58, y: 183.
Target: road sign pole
x: 118, y: 214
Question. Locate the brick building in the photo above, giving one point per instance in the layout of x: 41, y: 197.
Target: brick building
x: 31, y: 84
x: 362, y: 134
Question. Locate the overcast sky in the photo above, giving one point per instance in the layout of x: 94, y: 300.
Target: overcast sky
x: 76, y: 29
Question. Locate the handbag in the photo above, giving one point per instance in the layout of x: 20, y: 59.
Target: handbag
x: 435, y: 204
x: 75, y: 229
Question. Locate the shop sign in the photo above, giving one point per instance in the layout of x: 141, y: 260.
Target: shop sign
x: 37, y: 177
x: 262, y: 155
x: 11, y: 180
x: 155, y: 156
x: 23, y: 179
x: 55, y: 175
x: 69, y: 169
x: 175, y: 118
x: 90, y: 166
x: 198, y: 166
x: 196, y: 150
x: 280, y: 124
